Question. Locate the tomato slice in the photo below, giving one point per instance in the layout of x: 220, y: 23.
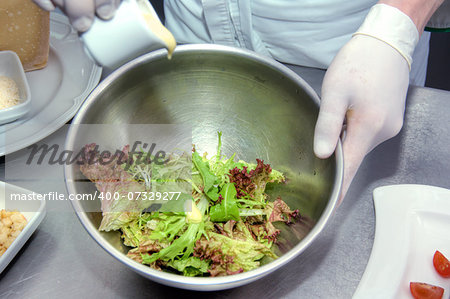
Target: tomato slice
x: 421, y: 290
x: 441, y: 264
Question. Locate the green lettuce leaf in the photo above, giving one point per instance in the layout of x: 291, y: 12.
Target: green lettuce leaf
x: 205, y: 172
x: 227, y: 209
x: 229, y: 255
x: 187, y: 236
x: 208, y: 177
x: 132, y: 234
x: 168, y: 226
x: 184, y: 245
x: 191, y: 266
x: 213, y: 193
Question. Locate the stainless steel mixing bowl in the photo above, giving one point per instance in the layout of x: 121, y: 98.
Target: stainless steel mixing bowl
x: 264, y: 111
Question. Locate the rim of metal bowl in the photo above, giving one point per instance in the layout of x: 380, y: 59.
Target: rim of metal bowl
x: 192, y: 282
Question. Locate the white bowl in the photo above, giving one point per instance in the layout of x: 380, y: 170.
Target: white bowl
x: 11, y: 67
x: 33, y: 210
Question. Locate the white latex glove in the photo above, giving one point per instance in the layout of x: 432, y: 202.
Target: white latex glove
x: 81, y: 13
x: 365, y: 87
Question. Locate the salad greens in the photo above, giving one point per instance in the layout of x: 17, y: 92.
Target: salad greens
x: 225, y: 226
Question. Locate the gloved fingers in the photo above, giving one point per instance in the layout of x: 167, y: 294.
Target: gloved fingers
x: 59, y: 3
x: 81, y: 13
x: 329, y: 124
x: 45, y: 4
x: 356, y: 144
x: 106, y: 9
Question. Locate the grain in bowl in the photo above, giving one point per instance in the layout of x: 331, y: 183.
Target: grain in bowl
x: 9, y: 92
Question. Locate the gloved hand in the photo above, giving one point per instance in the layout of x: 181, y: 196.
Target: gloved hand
x: 81, y: 13
x: 365, y: 87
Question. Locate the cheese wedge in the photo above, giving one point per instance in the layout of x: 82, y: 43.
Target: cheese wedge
x: 25, y: 29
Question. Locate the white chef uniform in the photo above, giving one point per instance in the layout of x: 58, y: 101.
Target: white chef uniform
x: 301, y: 32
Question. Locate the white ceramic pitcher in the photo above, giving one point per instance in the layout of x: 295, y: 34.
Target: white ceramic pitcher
x: 133, y: 31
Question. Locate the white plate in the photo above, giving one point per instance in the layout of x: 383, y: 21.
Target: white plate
x: 412, y: 222
x: 57, y: 91
x: 34, y: 212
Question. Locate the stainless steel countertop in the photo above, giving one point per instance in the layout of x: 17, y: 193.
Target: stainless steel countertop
x: 62, y: 261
